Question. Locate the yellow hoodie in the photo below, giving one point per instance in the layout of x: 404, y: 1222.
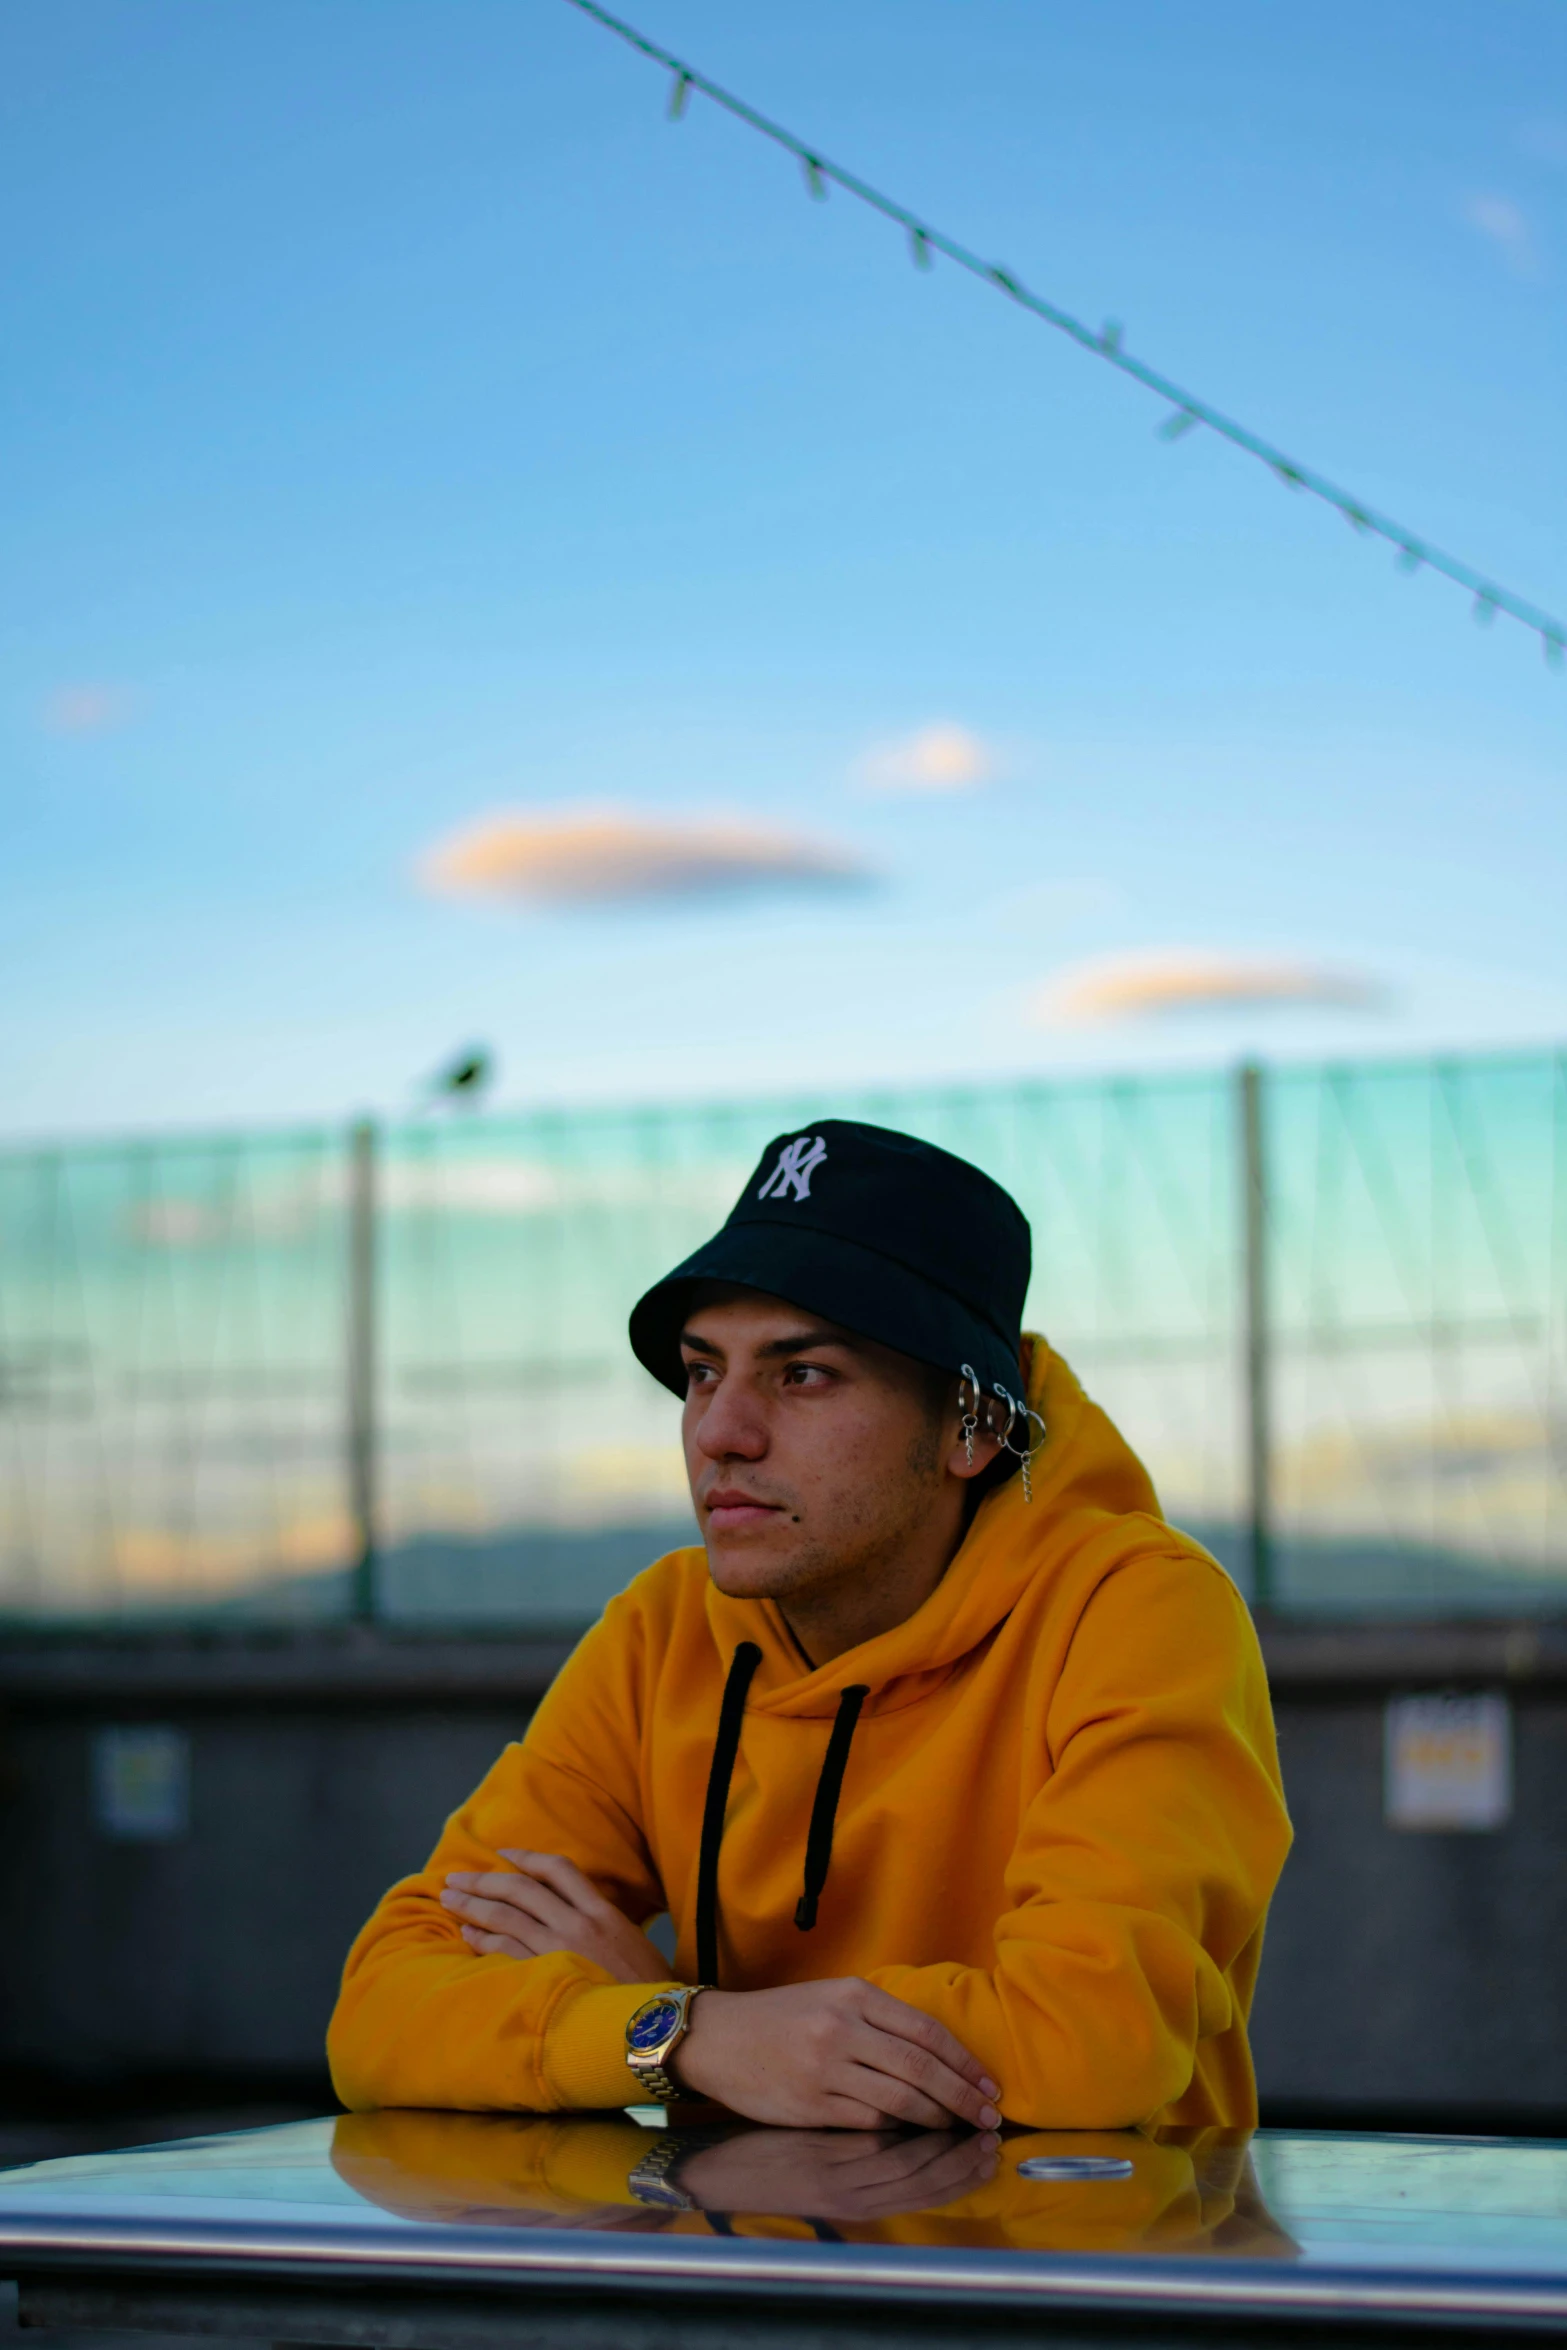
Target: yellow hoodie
x: 1058, y: 1831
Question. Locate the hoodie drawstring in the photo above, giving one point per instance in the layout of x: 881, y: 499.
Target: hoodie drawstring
x: 818, y: 1841
x: 824, y: 1811
x: 725, y: 1747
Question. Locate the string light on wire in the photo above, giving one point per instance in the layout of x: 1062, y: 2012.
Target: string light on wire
x: 1186, y: 412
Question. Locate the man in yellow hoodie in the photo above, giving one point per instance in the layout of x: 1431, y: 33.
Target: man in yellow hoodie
x: 951, y: 1761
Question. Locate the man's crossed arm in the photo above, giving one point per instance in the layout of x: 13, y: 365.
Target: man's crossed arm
x: 837, y: 2054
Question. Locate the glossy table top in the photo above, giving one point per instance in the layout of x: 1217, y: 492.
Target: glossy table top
x: 1281, y: 2223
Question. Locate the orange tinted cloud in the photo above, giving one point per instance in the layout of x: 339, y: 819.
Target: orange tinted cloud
x: 1185, y: 979
x: 586, y: 855
x: 936, y: 759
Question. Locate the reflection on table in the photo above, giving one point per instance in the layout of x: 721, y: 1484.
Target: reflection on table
x: 1186, y: 2191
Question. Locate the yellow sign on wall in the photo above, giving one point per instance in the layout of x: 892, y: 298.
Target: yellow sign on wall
x: 1448, y: 1762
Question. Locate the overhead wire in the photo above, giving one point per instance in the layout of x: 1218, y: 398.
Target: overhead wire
x: 1187, y: 411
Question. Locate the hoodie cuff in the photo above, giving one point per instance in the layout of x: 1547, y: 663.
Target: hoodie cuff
x: 585, y: 2045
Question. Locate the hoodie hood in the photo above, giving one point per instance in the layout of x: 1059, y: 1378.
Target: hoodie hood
x: 1086, y: 1481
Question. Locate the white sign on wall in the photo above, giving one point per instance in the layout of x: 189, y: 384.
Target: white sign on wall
x: 141, y: 1783
x: 1448, y: 1762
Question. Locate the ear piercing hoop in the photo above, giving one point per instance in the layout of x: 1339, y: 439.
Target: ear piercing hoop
x: 968, y: 1408
x: 1022, y: 1453
x: 971, y: 1399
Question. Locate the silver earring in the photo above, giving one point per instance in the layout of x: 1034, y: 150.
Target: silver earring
x: 1022, y: 1453
x: 969, y: 1410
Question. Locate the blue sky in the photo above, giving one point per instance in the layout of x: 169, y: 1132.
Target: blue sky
x: 403, y: 421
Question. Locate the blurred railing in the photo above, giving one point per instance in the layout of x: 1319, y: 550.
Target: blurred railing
x: 288, y: 1379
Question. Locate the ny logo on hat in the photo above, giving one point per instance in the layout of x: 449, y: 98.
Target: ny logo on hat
x: 797, y: 1163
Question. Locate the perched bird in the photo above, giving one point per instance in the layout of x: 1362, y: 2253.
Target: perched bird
x: 465, y: 1078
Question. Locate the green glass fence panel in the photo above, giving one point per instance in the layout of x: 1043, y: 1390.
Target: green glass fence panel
x: 171, y: 1352
x: 180, y: 1420
x: 1417, y: 1230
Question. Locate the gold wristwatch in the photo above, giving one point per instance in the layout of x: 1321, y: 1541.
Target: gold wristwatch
x: 653, y: 2033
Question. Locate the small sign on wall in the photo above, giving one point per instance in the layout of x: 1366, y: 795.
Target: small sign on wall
x: 1448, y: 1762
x: 141, y: 1784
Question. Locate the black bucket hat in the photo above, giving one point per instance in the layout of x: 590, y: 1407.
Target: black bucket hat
x: 884, y: 1235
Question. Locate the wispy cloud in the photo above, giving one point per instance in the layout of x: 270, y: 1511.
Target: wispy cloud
x: 937, y: 758
x: 1161, y: 981
x: 582, y: 856
x: 1507, y: 227
x: 86, y: 709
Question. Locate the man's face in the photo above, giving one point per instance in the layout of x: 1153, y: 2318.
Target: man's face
x: 815, y: 1457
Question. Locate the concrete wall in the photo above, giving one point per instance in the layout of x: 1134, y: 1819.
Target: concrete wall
x: 1404, y: 1972
x: 221, y: 1948
x: 1410, y: 1970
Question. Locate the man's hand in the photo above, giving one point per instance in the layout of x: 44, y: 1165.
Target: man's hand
x: 830, y: 2174
x: 548, y: 1904
x: 841, y: 2055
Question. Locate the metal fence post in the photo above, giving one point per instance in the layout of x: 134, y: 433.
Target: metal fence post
x: 361, y: 1364
x: 1259, y: 1432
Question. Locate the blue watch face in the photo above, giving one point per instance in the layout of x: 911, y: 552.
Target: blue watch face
x: 654, y: 2024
